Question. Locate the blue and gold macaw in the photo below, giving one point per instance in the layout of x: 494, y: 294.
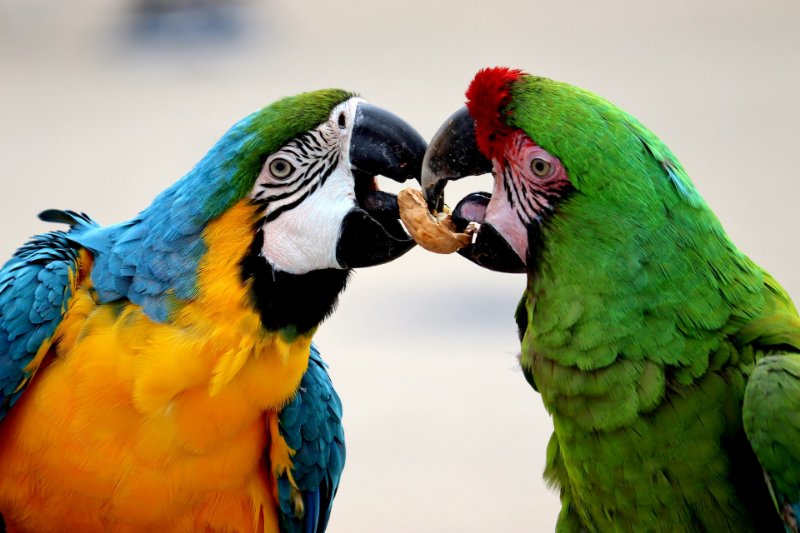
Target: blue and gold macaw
x: 158, y: 374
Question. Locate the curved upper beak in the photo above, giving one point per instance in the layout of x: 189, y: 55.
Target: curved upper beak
x: 383, y: 143
x: 453, y: 154
x: 380, y: 144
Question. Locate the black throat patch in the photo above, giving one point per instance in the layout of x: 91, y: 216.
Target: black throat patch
x: 298, y: 301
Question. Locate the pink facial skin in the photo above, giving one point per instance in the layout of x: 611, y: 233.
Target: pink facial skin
x: 527, y: 183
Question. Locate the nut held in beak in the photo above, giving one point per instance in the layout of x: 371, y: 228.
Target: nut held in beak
x: 436, y: 233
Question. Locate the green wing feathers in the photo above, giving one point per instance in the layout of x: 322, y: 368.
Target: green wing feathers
x: 771, y: 415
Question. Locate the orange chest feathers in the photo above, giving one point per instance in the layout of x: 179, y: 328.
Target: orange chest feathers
x: 141, y: 426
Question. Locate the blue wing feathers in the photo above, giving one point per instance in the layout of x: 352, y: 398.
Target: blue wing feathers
x: 34, y: 290
x: 311, y: 424
x: 152, y: 258
x: 69, y: 217
x: 312, y: 503
x: 146, y: 258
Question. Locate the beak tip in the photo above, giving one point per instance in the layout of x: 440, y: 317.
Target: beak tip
x: 452, y: 154
x: 429, y: 185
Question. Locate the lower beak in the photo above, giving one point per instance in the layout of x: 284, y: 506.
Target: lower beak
x: 489, y: 249
x: 380, y: 144
x: 453, y: 154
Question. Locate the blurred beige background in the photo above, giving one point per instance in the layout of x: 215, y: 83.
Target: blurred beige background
x: 103, y: 105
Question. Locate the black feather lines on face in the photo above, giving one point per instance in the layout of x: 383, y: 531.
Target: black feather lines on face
x: 533, y: 202
x: 284, y: 300
x: 317, y: 156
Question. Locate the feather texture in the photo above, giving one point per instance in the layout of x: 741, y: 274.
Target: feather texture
x: 641, y: 325
x: 772, y: 422
x: 311, y: 425
x: 159, y: 389
x: 122, y: 428
x: 36, y: 285
x: 152, y: 259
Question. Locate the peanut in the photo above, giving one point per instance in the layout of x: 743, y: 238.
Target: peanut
x: 433, y: 231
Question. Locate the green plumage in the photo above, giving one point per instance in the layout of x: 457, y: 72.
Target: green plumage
x: 643, y: 326
x: 260, y: 134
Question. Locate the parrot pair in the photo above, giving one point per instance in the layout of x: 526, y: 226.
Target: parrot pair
x: 667, y: 359
x: 158, y: 374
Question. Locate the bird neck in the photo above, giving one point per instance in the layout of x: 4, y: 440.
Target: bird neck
x: 659, y: 283
x: 222, y: 316
x: 291, y: 303
x: 623, y: 311
x: 234, y: 279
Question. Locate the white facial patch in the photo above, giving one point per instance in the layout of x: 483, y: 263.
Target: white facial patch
x: 307, y: 188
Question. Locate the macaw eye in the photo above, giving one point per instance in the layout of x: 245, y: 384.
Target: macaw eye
x: 540, y: 167
x: 342, y: 120
x: 280, y: 168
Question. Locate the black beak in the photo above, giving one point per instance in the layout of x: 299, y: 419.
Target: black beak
x: 381, y: 144
x: 453, y: 154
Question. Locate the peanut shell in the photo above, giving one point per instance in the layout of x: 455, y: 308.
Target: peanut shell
x: 433, y: 231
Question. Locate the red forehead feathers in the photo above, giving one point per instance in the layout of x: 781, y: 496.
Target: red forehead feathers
x: 487, y: 97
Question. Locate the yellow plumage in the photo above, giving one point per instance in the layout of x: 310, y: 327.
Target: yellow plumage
x: 133, y: 425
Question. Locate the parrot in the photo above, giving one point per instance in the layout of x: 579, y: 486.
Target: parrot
x: 666, y: 357
x: 159, y: 374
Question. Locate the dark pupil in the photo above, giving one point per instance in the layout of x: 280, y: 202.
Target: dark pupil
x: 341, y: 120
x: 540, y: 166
x: 280, y: 167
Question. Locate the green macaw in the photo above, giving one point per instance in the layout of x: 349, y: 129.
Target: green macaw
x: 665, y: 356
